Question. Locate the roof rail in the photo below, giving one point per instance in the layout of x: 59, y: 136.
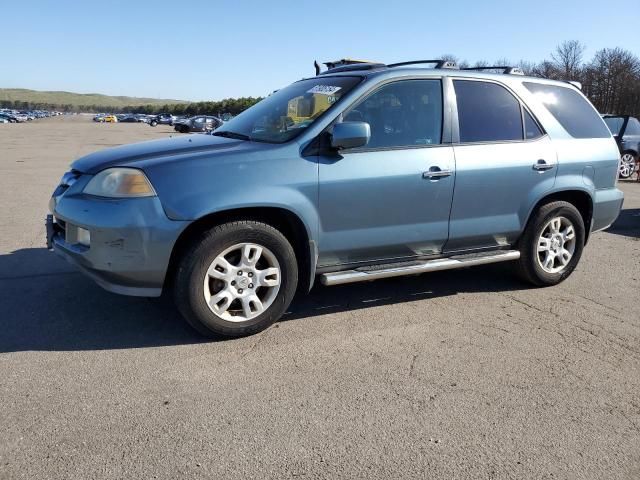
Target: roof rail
x: 438, y: 63
x: 505, y: 69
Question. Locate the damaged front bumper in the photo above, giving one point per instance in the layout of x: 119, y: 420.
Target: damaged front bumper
x: 124, y: 245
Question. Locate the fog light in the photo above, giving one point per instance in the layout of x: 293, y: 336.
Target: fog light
x: 84, y: 237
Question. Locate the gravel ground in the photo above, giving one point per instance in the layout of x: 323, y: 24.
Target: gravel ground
x: 460, y: 374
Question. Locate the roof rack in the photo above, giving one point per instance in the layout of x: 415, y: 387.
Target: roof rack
x: 505, y: 69
x: 348, y: 64
x: 438, y: 63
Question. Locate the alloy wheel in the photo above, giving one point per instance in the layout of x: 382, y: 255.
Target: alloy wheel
x: 627, y: 165
x: 556, y: 245
x: 242, y: 282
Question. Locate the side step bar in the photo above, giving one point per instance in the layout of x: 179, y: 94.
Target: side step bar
x: 457, y: 261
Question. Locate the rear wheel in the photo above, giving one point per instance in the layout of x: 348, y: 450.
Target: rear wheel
x: 153, y: 123
x: 552, y: 244
x: 237, y: 280
x: 628, y: 163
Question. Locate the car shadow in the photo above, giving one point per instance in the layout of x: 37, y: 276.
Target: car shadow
x: 627, y: 223
x: 47, y: 305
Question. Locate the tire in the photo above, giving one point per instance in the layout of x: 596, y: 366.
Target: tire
x: 628, y: 163
x: 204, y: 282
x: 534, y: 265
x: 153, y: 123
x: 184, y: 129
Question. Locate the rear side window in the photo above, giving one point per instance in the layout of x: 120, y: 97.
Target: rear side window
x: 633, y: 127
x: 614, y: 124
x: 531, y: 128
x: 487, y: 112
x: 571, y: 110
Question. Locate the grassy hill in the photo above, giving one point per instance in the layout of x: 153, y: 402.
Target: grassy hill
x: 77, y: 99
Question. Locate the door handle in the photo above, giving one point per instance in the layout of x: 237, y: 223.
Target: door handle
x: 542, y: 165
x: 435, y: 173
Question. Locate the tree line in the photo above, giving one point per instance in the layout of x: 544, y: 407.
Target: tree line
x: 611, y: 80
x: 229, y: 105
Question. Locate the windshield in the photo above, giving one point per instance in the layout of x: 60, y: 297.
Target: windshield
x: 286, y: 113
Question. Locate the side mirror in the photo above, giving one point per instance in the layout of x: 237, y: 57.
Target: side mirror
x: 350, y: 135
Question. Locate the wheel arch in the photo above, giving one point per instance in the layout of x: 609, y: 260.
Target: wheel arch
x: 581, y: 199
x: 282, y: 219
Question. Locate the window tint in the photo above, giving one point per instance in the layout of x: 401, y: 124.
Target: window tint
x: 614, y: 124
x: 487, y: 112
x: 571, y: 110
x: 402, y: 114
x: 633, y: 127
x: 531, y: 128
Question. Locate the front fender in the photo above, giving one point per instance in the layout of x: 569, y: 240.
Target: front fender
x: 203, y: 185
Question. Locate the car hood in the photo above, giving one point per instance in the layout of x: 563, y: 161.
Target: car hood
x: 158, y: 150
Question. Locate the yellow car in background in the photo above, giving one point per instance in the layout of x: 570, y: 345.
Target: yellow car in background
x: 110, y: 119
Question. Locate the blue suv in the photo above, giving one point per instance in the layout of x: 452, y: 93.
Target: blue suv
x: 361, y: 172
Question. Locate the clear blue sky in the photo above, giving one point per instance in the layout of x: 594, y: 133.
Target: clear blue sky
x: 212, y: 49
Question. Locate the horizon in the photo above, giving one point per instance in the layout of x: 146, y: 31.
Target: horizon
x: 147, y: 50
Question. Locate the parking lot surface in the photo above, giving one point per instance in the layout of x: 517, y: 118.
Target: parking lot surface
x: 460, y: 374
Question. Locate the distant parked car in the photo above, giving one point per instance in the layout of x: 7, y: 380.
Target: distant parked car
x: 201, y: 123
x: 10, y: 118
x: 3, y: 119
x: 626, y: 131
x: 162, y: 119
x: 110, y: 119
x: 129, y: 119
x: 20, y: 118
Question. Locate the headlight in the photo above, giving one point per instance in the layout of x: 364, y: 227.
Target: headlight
x: 120, y: 183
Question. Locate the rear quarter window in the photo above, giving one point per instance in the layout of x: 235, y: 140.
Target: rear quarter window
x: 571, y: 110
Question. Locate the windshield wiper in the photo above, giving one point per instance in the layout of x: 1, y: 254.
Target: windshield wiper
x: 228, y: 134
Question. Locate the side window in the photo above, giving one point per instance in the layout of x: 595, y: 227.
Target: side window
x: 633, y: 127
x: 614, y: 124
x: 571, y: 110
x: 402, y: 114
x: 487, y: 112
x: 531, y: 128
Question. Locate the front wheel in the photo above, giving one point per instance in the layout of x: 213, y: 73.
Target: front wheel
x: 552, y: 244
x: 153, y: 123
x: 627, y: 165
x: 237, y: 280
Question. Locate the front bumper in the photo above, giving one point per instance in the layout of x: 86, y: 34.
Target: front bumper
x: 131, y: 240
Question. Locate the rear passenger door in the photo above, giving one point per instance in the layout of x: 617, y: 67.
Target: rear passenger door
x: 503, y: 161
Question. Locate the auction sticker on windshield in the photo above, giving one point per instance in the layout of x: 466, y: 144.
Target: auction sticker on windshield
x: 324, y: 89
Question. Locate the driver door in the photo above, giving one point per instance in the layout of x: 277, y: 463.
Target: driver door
x: 391, y: 199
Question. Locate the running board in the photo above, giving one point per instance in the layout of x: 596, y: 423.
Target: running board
x: 457, y: 261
